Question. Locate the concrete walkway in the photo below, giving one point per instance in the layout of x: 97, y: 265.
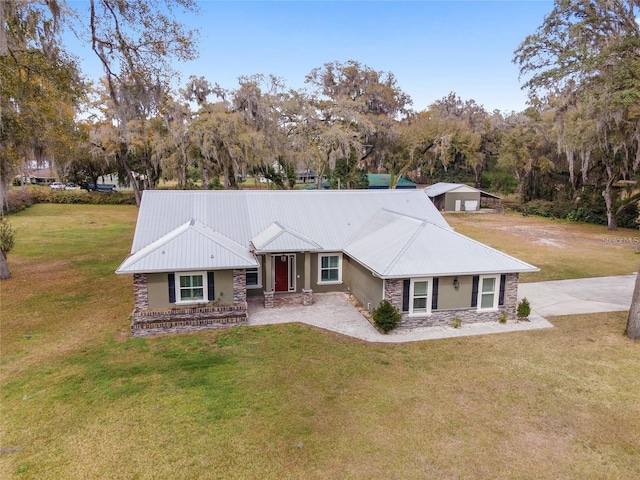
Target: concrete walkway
x: 334, y: 311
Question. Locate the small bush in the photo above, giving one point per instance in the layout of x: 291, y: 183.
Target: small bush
x: 524, y: 309
x: 386, y: 317
x: 503, y: 318
x: 456, y: 322
x: 19, y: 199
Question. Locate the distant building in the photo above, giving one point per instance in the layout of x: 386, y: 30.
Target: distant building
x: 458, y: 197
x: 379, y: 181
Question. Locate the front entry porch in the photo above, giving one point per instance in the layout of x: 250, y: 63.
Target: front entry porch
x: 283, y: 272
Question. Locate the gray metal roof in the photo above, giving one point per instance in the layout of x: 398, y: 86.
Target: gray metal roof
x: 394, y: 232
x: 397, y: 246
x: 191, y: 246
x: 439, y: 188
x: 279, y: 238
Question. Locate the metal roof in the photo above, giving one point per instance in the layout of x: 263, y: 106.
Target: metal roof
x: 191, y: 246
x: 383, y: 180
x: 396, y: 246
x: 279, y: 238
x: 439, y: 188
x: 393, y: 232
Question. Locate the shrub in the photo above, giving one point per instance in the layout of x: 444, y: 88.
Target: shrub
x: 456, y: 322
x: 19, y: 199
x: 503, y: 318
x: 524, y: 309
x: 386, y: 317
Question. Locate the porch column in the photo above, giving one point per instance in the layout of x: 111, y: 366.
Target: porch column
x: 267, y: 273
x: 307, y: 270
x: 268, y: 286
x: 307, y: 293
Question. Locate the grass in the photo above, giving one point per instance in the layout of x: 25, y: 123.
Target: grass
x: 82, y: 399
x: 561, y: 249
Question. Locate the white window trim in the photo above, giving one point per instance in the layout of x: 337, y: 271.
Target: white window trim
x: 259, y: 284
x: 429, y: 296
x: 329, y: 282
x: 496, y: 293
x: 205, y: 287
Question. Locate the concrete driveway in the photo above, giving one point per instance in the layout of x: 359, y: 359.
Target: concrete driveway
x: 334, y: 311
x: 584, y: 295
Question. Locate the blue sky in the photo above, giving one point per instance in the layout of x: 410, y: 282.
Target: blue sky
x: 432, y: 47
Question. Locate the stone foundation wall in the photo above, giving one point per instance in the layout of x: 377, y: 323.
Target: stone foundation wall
x: 446, y: 318
x: 185, y: 319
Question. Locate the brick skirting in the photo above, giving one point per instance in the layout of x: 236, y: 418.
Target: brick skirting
x: 185, y: 319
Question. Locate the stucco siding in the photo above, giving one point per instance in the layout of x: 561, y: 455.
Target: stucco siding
x: 364, y: 286
x: 333, y: 287
x: 223, y: 281
x: 158, y: 288
x: 450, y: 297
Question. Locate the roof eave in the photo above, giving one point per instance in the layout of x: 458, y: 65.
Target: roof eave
x: 190, y: 269
x: 459, y: 274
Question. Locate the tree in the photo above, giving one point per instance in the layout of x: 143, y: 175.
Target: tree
x: 7, y: 240
x: 40, y: 88
x: 135, y: 42
x: 587, y: 52
x: 527, y: 150
x: 359, y: 108
x: 633, y: 323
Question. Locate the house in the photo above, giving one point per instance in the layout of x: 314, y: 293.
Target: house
x: 383, y: 180
x: 35, y: 175
x: 306, y: 175
x: 197, y: 256
x: 457, y: 197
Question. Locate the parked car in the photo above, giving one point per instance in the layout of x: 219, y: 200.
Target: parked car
x: 57, y: 186
x: 71, y: 186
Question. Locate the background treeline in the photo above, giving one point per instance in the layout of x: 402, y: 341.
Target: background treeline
x: 572, y: 154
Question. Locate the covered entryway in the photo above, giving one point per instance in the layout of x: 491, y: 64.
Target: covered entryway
x: 284, y: 273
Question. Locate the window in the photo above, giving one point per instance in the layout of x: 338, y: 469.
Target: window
x: 488, y: 293
x: 192, y: 287
x: 330, y: 268
x: 420, y: 293
x: 254, y: 275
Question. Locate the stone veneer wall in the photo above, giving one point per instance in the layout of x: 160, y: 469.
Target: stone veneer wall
x: 184, y: 319
x: 239, y: 286
x: 145, y: 321
x: 140, y: 291
x: 393, y: 293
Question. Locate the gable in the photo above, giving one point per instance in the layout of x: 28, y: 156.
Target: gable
x: 191, y: 246
x: 278, y: 238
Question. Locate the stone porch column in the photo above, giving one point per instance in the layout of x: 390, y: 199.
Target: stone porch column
x: 140, y: 291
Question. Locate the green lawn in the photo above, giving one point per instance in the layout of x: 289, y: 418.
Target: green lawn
x: 82, y: 399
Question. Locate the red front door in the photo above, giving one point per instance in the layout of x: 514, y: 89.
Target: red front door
x: 282, y: 273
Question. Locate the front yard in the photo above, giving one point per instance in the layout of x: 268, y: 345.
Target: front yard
x: 82, y: 399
